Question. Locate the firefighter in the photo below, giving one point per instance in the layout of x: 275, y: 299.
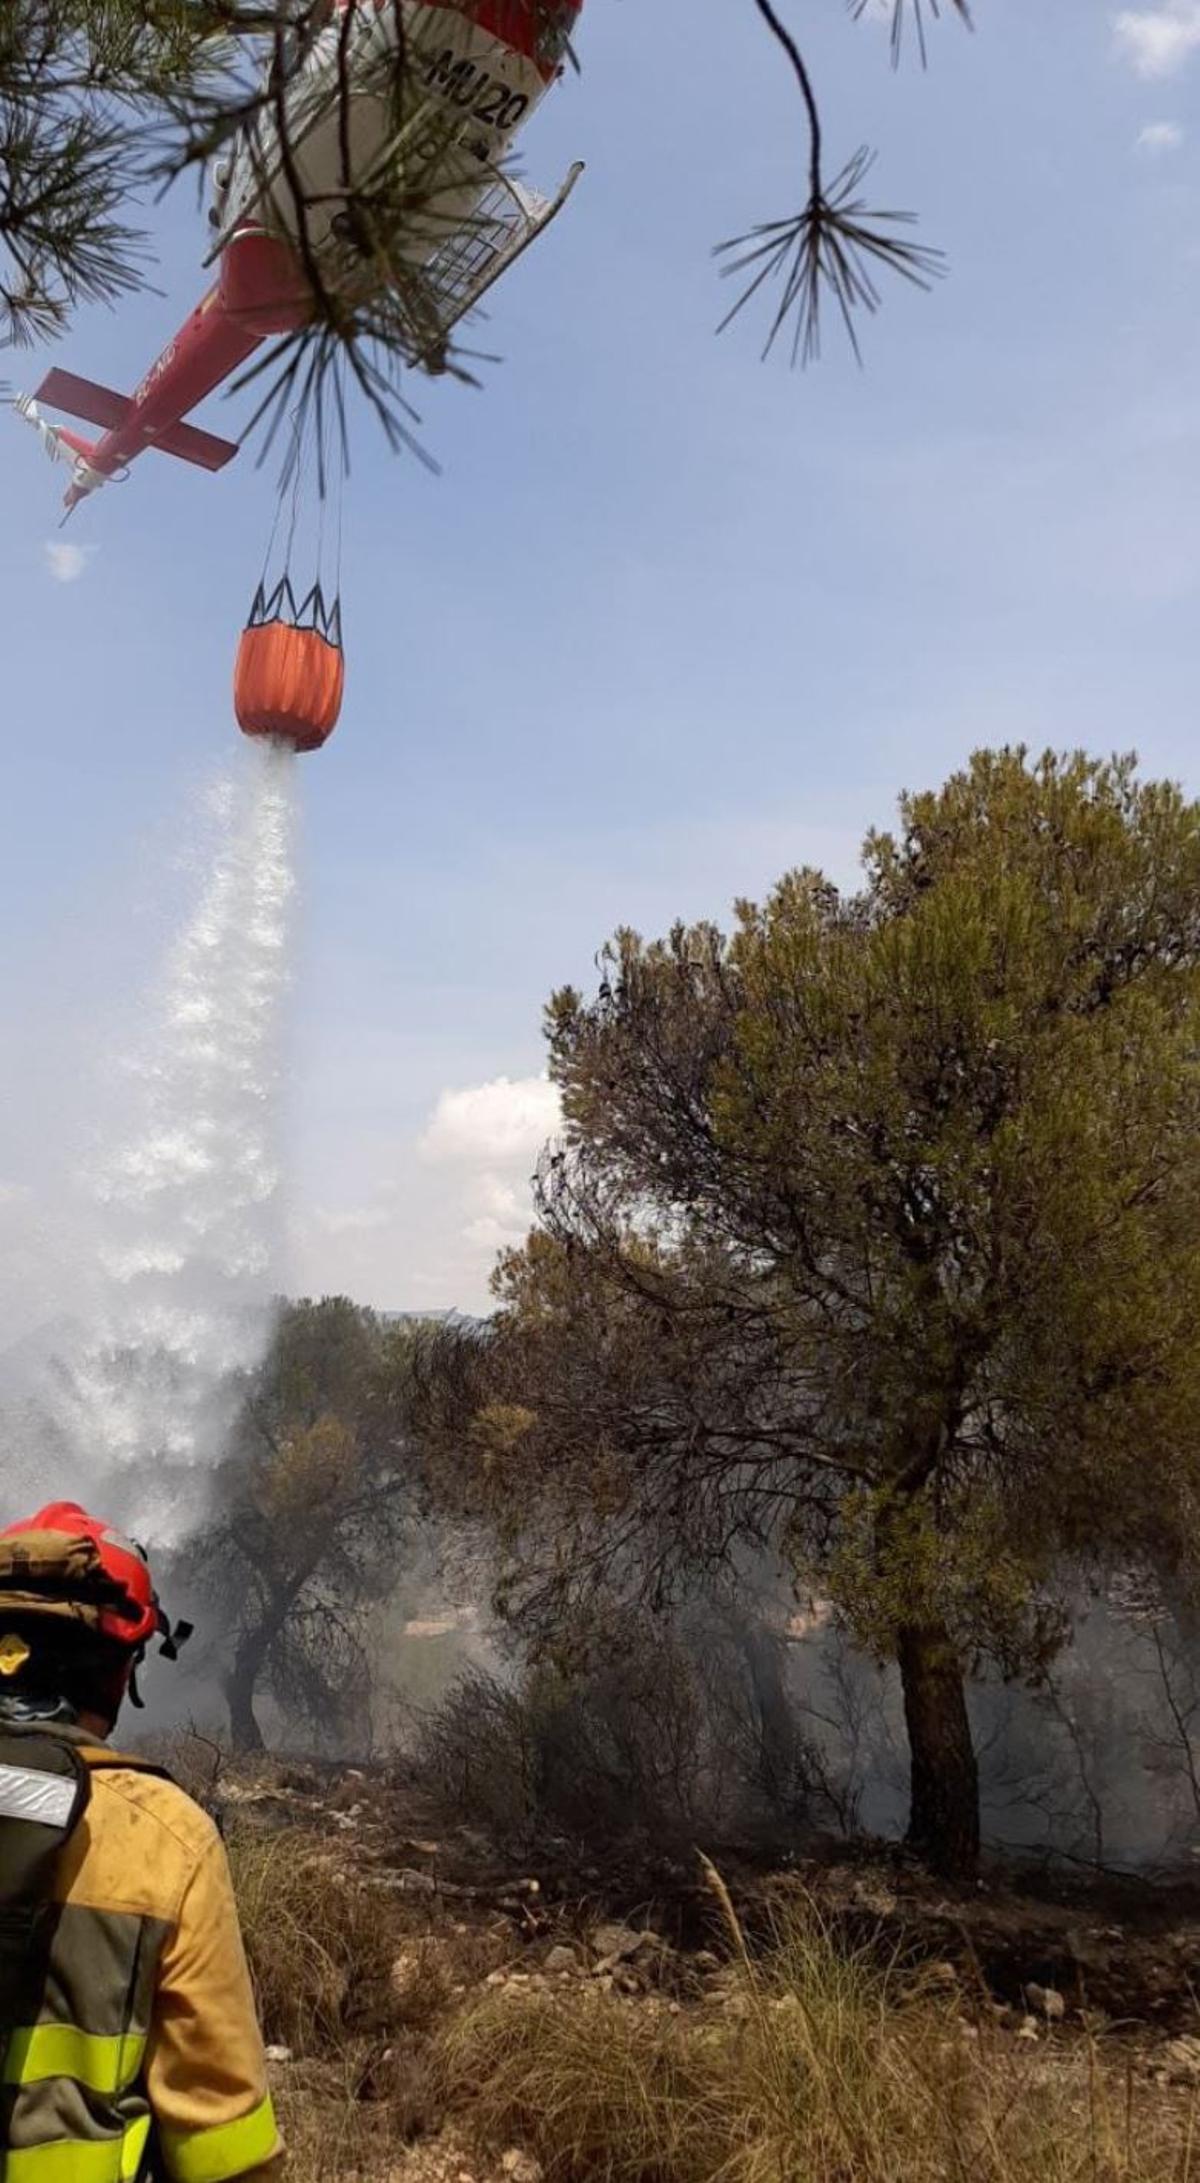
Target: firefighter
x: 129, y: 2043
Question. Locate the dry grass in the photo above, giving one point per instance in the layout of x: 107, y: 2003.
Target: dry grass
x: 329, y: 2133
x: 319, y: 1943
x: 817, y: 2068
x: 353, y: 1984
x: 815, y: 2065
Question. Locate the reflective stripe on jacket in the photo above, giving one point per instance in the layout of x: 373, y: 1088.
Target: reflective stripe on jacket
x: 146, y: 2015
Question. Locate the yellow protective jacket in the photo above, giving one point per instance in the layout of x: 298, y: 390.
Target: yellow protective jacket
x: 146, y: 2021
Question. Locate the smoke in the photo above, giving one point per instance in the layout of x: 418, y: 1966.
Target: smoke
x: 135, y: 1406
x: 1095, y: 1768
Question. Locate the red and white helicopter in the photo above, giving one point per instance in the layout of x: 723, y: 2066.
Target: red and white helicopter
x: 473, y: 72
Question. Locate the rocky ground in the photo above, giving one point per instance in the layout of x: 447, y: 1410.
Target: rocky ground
x: 447, y: 1919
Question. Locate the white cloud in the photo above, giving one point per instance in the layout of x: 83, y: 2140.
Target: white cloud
x: 66, y: 562
x: 1160, y: 136
x: 489, y: 1234
x: 508, y: 1119
x: 493, y: 1133
x: 426, y: 1232
x: 503, y: 1211
x: 1158, y: 41
x: 501, y: 1200
x: 359, y: 1220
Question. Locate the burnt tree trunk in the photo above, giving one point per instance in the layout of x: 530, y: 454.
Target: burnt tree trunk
x: 943, y: 1824
x: 240, y: 1684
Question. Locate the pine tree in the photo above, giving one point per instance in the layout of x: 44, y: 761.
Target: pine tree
x: 874, y: 1241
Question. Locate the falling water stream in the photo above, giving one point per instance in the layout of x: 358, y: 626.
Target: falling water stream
x: 186, y: 1205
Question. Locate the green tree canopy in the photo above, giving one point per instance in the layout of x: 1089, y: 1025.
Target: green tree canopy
x: 874, y: 1238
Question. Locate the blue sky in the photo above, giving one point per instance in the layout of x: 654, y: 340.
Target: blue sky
x: 668, y: 622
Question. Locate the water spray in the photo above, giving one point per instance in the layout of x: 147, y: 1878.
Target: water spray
x: 188, y: 1204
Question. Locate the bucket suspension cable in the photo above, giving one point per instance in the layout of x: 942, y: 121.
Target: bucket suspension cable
x: 290, y: 671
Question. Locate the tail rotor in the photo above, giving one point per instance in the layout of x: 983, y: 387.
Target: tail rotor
x: 59, y: 445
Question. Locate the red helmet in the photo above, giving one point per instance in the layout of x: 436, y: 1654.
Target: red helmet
x: 64, y: 1562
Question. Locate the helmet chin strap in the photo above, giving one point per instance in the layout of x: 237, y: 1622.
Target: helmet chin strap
x: 173, y: 1635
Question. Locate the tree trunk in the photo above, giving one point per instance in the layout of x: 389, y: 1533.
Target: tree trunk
x: 240, y: 1684
x: 943, y: 1824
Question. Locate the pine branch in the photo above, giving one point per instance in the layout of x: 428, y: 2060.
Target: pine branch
x: 902, y: 10
x: 831, y: 251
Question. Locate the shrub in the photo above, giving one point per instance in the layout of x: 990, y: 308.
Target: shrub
x: 679, y: 1734
x: 194, y: 1758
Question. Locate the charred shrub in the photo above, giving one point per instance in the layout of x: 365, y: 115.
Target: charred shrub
x: 665, y: 1741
